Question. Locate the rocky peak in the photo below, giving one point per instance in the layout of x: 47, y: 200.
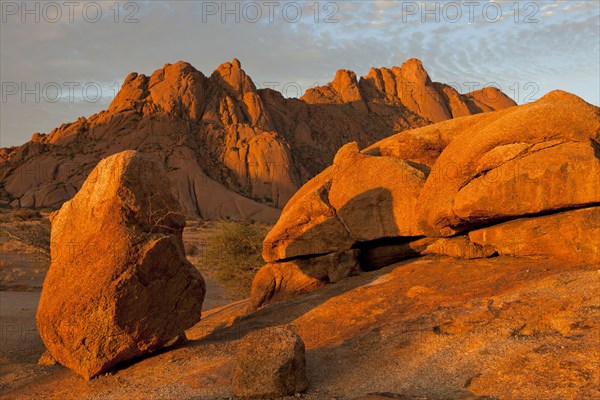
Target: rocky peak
x: 379, y: 82
x: 240, y: 102
x: 343, y: 89
x: 346, y: 85
x: 412, y: 71
x: 133, y: 89
x: 176, y: 88
x: 395, y: 84
x: 234, y: 78
x: 228, y: 97
x: 386, y: 82
x: 411, y: 86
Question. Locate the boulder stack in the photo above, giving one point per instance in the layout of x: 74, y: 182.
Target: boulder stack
x: 523, y: 181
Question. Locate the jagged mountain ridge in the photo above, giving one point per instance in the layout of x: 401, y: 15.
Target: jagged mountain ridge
x: 230, y: 149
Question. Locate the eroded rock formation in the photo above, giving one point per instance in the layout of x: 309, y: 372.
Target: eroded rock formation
x: 250, y: 148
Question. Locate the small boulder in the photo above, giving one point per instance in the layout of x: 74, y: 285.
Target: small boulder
x: 46, y: 360
x: 119, y: 285
x: 270, y: 363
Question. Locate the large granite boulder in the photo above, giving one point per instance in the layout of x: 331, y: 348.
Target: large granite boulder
x: 358, y: 198
x: 119, y: 284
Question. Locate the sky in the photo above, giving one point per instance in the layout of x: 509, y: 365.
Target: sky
x: 61, y: 60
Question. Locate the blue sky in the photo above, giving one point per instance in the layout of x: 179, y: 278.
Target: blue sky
x: 526, y: 48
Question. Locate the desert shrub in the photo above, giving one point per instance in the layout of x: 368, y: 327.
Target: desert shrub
x: 25, y: 214
x: 234, y: 250
x: 34, y: 234
x: 191, y: 249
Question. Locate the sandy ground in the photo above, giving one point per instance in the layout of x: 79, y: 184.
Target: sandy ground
x: 429, y: 328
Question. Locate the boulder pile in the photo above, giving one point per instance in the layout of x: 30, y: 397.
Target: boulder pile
x: 523, y: 181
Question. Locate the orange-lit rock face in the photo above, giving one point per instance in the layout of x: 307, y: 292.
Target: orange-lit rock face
x: 525, y: 160
x: 456, y: 176
x: 250, y: 148
x: 119, y: 284
x: 569, y: 235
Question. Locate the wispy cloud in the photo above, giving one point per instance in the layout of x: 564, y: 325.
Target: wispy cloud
x: 560, y: 50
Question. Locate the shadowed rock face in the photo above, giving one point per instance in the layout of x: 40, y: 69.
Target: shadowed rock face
x: 524, y: 181
x: 250, y: 148
x: 283, y: 280
x: 119, y: 284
